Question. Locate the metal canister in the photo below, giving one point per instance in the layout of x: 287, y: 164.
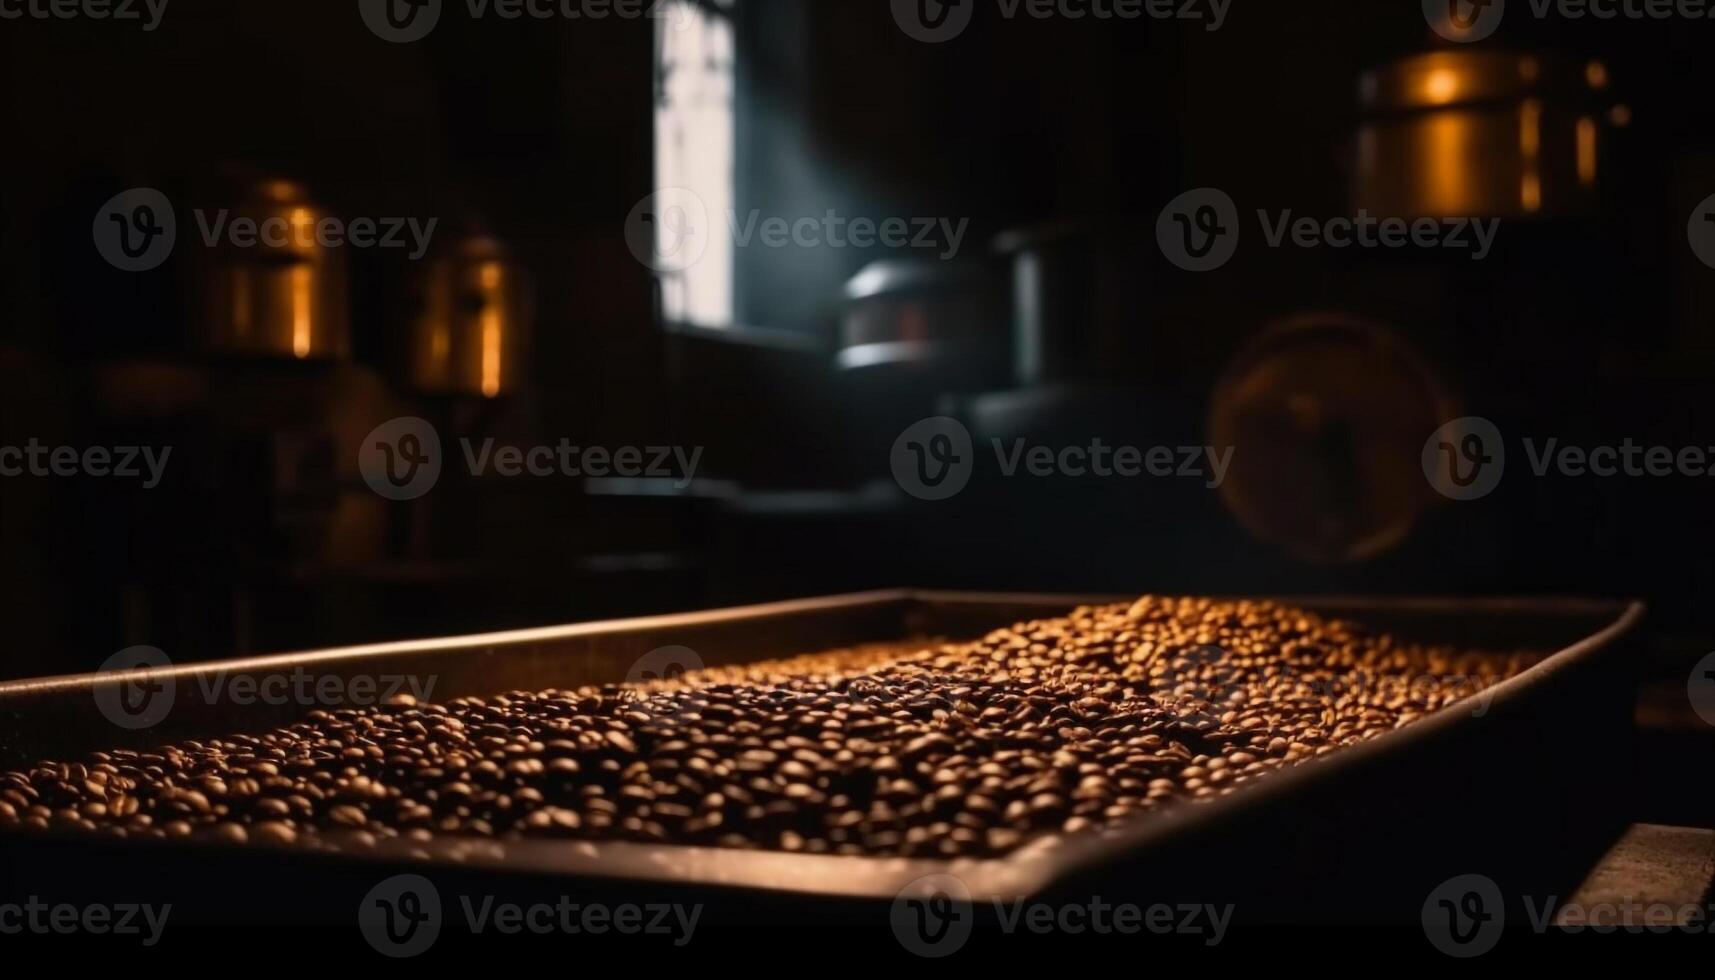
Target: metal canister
x: 271, y: 285
x: 473, y: 321
x: 1477, y: 132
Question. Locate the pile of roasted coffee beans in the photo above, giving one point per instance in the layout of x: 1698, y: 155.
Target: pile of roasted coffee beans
x: 966, y: 749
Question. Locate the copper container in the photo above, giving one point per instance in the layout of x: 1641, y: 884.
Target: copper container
x: 1327, y: 415
x: 469, y: 336
x: 1479, y: 133
x: 285, y: 294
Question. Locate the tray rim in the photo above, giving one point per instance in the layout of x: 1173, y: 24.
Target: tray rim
x: 495, y: 640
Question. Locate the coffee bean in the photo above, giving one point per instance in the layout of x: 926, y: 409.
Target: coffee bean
x: 228, y: 833
x: 942, y: 750
x: 273, y: 833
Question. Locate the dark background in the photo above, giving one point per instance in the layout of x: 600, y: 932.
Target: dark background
x: 1591, y: 326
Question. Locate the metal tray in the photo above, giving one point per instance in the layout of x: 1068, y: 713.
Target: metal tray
x: 1524, y: 791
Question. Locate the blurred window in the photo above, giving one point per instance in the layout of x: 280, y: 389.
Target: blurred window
x: 695, y: 125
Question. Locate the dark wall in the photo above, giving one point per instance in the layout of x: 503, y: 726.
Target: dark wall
x: 541, y: 133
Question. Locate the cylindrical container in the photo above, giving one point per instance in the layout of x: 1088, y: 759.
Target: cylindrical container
x: 922, y: 313
x: 471, y: 330
x: 1483, y: 133
x: 271, y: 285
x: 1326, y: 415
x: 1077, y: 292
